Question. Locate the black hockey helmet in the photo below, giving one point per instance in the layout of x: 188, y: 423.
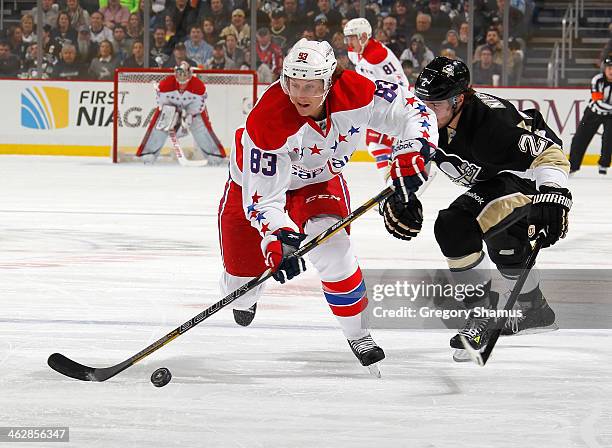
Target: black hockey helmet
x: 441, y: 79
x: 608, y: 61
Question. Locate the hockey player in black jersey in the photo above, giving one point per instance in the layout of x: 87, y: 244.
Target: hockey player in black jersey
x: 515, y: 172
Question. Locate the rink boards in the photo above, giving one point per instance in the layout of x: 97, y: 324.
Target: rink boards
x: 75, y: 118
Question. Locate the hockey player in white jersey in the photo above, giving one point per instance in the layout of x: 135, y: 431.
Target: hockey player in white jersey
x: 181, y: 109
x: 286, y: 181
x: 374, y: 60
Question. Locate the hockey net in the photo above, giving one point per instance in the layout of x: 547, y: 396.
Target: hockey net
x: 231, y: 95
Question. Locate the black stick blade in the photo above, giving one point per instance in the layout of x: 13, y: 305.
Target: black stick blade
x: 73, y: 369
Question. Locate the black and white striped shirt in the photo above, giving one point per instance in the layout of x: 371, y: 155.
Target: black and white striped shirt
x: 601, y: 95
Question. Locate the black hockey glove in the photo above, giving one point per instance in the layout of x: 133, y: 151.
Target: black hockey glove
x: 403, y: 221
x: 278, y: 253
x: 549, y: 213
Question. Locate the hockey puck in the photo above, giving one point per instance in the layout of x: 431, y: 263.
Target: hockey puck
x: 161, y: 377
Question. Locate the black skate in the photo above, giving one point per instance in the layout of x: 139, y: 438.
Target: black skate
x: 368, y: 353
x: 537, y: 317
x: 602, y: 170
x: 476, y: 332
x: 245, y: 317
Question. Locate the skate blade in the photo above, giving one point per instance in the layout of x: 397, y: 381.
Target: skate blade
x: 471, y: 353
x: 374, y: 370
x: 536, y: 330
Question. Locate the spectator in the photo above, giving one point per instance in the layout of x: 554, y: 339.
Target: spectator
x: 78, y: 16
x: 418, y: 53
x: 352, y: 12
x: 423, y: 28
x: 219, y: 60
x: 332, y: 16
x: 115, y: 14
x: 308, y: 33
x: 607, y: 49
x: 232, y: 51
x: 179, y: 54
x: 281, y: 35
x: 210, y: 35
x: 269, y: 56
x: 27, y: 28
x: 321, y: 30
x: 464, y: 16
x: 452, y: 42
x: 517, y: 11
x: 405, y: 13
x: 184, y: 16
x: 29, y: 63
x: 397, y: 42
x: 47, y: 42
x: 485, y: 69
x: 63, y: 31
x: 122, y: 45
x: 50, y: 12
x: 130, y: 5
x: 344, y: 61
x: 448, y: 53
x: 337, y: 43
x: 134, y: 27
x: 408, y: 68
x: 197, y: 48
x: 86, y: 49
x: 160, y: 50
x: 68, y: 67
x: 294, y: 19
x: 136, y: 60
x: 15, y: 41
x: 493, y: 42
x: 9, y: 63
x: 98, y: 31
x: 464, y: 33
x: 170, y: 30
x: 103, y: 67
x: 218, y: 14
x: 238, y: 28
x: 516, y: 65
x: 440, y: 21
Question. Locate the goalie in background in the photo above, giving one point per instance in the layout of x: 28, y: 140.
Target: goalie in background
x: 181, y: 109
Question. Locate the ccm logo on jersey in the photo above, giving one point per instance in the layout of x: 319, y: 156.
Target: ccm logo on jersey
x: 322, y: 196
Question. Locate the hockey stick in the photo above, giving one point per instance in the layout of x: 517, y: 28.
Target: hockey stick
x: 180, y: 155
x: 73, y: 369
x: 482, y: 358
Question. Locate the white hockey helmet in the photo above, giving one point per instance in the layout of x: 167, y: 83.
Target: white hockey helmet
x: 183, y: 72
x: 309, y: 60
x: 358, y: 26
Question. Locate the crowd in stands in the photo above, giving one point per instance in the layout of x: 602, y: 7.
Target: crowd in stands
x: 88, y: 39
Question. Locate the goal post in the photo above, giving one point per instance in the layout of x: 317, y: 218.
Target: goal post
x: 231, y: 95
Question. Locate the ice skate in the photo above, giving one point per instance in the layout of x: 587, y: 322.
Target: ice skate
x: 536, y: 317
x: 245, y: 317
x: 476, y: 332
x: 602, y: 170
x: 368, y: 353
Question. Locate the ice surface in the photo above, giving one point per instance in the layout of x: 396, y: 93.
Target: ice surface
x: 98, y: 261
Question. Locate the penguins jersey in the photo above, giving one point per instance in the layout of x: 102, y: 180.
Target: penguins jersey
x: 279, y: 150
x: 192, y: 100
x: 493, y: 137
x: 378, y: 62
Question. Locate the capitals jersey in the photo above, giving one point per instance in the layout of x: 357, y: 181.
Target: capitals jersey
x: 378, y: 62
x: 192, y: 100
x: 279, y: 150
x: 601, y: 95
x: 493, y: 137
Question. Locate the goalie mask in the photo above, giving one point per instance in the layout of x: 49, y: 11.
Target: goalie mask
x: 183, y: 73
x: 309, y: 60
